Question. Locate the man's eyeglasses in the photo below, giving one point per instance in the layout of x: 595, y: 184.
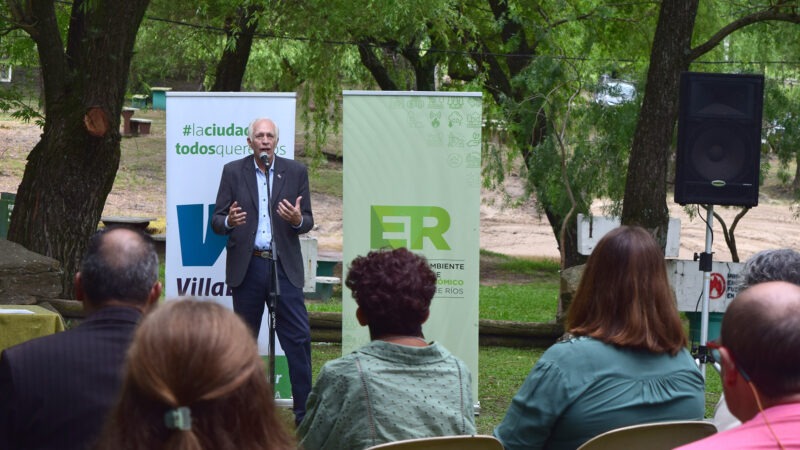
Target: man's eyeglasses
x: 716, y: 357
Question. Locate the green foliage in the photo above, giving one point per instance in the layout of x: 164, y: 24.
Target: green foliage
x: 548, y: 119
x: 782, y: 129
x: 17, y: 49
x: 167, y: 34
x: 12, y: 101
x: 539, y: 68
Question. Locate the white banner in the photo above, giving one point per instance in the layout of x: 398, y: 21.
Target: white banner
x: 412, y: 179
x: 206, y: 130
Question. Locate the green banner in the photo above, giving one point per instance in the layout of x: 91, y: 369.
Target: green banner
x: 412, y: 178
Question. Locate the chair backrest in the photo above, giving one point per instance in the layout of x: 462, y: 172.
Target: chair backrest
x: 652, y: 436
x: 474, y: 442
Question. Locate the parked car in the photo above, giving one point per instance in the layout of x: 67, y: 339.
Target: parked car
x: 612, y: 91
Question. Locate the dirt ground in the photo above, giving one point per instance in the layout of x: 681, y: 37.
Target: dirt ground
x: 519, y: 231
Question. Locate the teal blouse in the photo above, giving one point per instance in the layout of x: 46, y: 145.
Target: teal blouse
x: 583, y: 387
x: 386, y: 392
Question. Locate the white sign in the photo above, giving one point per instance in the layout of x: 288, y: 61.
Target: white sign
x: 592, y: 228
x: 687, y: 281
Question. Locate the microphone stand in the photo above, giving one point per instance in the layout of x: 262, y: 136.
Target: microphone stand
x: 701, y: 354
x: 274, y: 287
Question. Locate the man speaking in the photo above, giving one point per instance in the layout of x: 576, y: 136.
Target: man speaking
x: 263, y: 206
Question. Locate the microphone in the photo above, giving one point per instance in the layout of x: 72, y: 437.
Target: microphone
x: 264, y: 157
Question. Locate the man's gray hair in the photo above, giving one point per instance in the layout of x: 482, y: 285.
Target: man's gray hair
x: 250, y: 128
x: 781, y: 264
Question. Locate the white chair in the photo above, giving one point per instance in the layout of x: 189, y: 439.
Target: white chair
x: 474, y: 442
x: 651, y: 436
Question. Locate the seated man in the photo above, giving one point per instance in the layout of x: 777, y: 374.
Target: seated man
x: 782, y: 264
x: 55, y: 391
x: 758, y: 352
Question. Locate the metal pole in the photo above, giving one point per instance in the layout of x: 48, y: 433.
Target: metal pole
x: 705, y: 266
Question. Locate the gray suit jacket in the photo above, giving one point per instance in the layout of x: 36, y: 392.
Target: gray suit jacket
x: 238, y: 183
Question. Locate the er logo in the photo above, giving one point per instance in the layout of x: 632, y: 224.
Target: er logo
x: 408, y: 226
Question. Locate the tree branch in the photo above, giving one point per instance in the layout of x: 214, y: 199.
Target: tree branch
x: 375, y: 66
x: 22, y: 15
x: 730, y: 238
x: 773, y: 13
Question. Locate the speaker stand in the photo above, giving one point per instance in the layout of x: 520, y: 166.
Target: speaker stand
x: 701, y: 354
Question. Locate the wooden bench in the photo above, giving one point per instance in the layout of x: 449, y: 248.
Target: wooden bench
x: 140, y: 127
x: 325, y: 278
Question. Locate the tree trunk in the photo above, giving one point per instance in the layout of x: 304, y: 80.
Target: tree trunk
x: 796, y: 180
x: 233, y: 63
x: 570, y: 242
x: 645, y: 187
x: 72, y: 169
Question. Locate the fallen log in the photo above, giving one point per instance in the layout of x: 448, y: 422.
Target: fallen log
x: 327, y: 327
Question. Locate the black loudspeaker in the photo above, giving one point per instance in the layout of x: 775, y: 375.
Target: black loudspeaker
x: 719, y: 139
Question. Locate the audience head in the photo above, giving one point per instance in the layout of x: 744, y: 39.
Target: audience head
x: 760, y: 338
x: 393, y: 289
x: 119, y: 267
x: 781, y: 264
x: 624, y: 297
x: 198, y: 361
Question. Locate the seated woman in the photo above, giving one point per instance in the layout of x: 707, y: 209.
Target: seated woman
x: 398, y: 386
x: 625, y: 363
x: 194, y: 380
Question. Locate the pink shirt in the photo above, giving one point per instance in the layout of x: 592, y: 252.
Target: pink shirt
x: 754, y: 434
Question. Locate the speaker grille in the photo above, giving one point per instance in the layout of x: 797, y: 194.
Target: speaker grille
x: 718, y: 153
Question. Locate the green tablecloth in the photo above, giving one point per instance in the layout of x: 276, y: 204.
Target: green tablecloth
x: 18, y: 328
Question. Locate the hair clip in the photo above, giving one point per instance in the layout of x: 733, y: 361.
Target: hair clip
x: 178, y: 419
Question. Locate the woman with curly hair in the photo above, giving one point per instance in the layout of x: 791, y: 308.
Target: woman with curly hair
x: 399, y: 386
x: 625, y: 363
x: 194, y: 381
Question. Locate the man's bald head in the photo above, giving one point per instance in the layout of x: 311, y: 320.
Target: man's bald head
x: 761, y: 329
x: 120, y: 264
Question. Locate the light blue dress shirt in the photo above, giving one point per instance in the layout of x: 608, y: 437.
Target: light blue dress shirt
x: 264, y: 231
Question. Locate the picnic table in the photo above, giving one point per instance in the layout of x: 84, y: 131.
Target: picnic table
x: 20, y: 323
x: 136, y: 222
